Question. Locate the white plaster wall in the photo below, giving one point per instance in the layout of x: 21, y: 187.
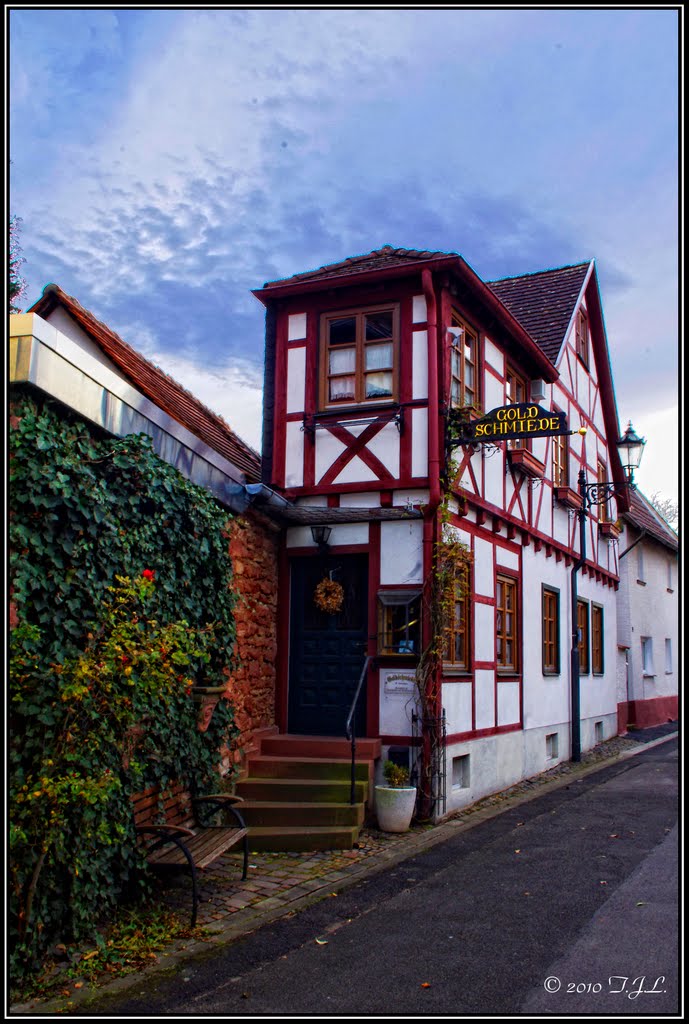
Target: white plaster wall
x: 296, y: 326
x: 546, y: 697
x: 420, y: 364
x: 294, y: 455
x: 413, y: 495
x: 419, y: 452
x: 367, y: 499
x: 508, y: 702
x: 493, y: 489
x: 484, y: 690
x: 386, y: 447
x: 484, y: 574
x: 64, y: 323
x: 494, y: 392
x: 457, y: 701
x: 401, y: 553
x: 506, y: 559
x: 484, y: 632
x: 327, y: 450
x: 356, y: 471
x: 419, y: 314
x: 296, y: 379
x: 494, y: 356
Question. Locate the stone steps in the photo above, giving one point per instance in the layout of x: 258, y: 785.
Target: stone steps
x: 297, y: 792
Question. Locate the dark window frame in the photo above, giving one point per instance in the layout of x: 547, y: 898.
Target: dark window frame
x: 550, y: 630
x: 359, y: 344
x: 502, y: 666
x: 597, y: 639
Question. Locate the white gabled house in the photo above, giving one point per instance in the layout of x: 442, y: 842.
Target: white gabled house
x: 647, y: 619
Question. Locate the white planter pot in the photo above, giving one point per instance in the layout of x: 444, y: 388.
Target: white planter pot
x: 394, y: 807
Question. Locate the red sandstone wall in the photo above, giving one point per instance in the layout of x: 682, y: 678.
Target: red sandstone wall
x: 254, y: 551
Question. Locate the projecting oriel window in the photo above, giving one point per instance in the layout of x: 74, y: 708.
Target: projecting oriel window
x: 359, y: 357
x: 463, y: 365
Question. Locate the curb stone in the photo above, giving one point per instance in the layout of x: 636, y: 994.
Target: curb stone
x: 251, y: 918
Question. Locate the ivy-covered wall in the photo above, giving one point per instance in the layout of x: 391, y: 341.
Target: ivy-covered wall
x: 122, y: 600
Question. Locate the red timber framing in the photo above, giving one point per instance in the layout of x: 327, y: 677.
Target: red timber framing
x: 523, y: 511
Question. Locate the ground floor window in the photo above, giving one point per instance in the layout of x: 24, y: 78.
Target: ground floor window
x: 399, y: 622
x: 506, y: 624
x: 597, y: 639
x: 583, y: 630
x: 551, y: 631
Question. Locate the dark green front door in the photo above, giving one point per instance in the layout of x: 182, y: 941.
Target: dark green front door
x: 327, y: 652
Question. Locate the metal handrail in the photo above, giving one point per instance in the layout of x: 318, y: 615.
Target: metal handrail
x: 349, y: 731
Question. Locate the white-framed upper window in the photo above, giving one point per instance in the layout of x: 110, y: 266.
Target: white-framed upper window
x: 640, y: 571
x: 668, y: 655
x: 647, y: 655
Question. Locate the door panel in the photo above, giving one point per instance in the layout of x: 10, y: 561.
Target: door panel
x: 327, y: 652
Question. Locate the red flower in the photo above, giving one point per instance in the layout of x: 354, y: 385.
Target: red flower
x: 148, y: 574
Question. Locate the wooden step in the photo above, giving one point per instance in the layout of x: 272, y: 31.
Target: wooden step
x: 302, y: 839
x: 274, y: 813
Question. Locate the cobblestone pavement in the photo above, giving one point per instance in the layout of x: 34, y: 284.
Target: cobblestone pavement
x: 282, y: 883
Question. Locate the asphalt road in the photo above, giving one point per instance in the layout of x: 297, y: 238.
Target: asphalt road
x: 567, y: 905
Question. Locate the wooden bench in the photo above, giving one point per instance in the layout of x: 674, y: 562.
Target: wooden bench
x: 186, y: 839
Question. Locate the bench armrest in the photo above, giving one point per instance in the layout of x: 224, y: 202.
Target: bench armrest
x: 222, y: 801
x: 157, y: 830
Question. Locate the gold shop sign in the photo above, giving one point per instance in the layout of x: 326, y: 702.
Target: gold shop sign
x: 510, y: 422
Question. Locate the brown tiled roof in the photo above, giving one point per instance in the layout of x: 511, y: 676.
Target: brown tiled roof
x: 379, y: 259
x: 156, y: 385
x: 543, y: 303
x: 644, y: 517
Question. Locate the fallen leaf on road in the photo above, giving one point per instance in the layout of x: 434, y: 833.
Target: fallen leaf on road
x: 642, y: 903
x: 425, y: 984
x: 615, y: 835
x: 517, y: 851
x: 321, y: 942
x: 603, y: 883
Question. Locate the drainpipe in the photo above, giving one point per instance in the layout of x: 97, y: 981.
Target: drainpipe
x: 575, y: 667
x: 430, y: 512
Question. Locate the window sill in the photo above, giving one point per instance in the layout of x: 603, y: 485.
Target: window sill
x: 642, y: 583
x: 609, y: 530
x: 566, y: 496
x: 526, y: 463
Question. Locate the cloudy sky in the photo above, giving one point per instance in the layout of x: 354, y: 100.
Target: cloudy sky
x: 166, y: 162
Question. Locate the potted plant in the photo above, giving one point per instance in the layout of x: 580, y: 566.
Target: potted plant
x: 395, y: 802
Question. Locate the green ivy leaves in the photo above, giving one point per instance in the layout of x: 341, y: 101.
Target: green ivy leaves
x: 87, y: 727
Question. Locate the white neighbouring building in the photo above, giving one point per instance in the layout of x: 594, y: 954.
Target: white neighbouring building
x: 647, y: 619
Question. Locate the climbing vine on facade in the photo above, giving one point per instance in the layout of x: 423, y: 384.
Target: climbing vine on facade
x: 122, y: 600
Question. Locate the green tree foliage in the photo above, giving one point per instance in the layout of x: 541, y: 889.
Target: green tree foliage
x: 17, y: 284
x: 122, y: 584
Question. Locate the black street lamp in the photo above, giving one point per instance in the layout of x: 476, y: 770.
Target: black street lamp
x: 631, y: 448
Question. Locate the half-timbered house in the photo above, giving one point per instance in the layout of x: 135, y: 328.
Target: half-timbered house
x: 370, y: 365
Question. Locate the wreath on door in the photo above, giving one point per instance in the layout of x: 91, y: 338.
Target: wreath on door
x: 328, y: 596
